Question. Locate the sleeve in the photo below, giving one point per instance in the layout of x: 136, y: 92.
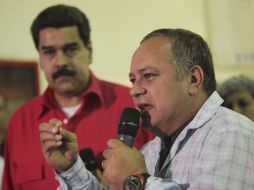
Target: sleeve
x: 78, y: 178
x: 162, y: 184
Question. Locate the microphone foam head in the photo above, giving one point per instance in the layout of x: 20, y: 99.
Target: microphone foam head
x: 129, y: 122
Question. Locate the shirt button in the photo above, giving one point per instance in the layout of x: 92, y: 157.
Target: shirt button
x: 65, y: 121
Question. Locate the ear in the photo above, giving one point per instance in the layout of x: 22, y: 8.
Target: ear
x: 196, y: 79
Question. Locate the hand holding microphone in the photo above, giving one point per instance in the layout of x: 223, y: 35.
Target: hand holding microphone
x: 121, y: 160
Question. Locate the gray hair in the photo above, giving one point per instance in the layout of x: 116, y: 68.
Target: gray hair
x: 236, y: 83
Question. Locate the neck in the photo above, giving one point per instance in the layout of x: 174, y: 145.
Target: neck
x: 68, y: 101
x: 186, y: 115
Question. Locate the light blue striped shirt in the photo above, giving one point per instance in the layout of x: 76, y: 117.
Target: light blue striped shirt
x: 215, y: 151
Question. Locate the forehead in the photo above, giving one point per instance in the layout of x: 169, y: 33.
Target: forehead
x: 152, y: 52
x: 56, y: 35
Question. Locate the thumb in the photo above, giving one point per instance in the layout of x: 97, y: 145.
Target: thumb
x: 67, y: 135
x: 70, y: 143
x: 114, y: 143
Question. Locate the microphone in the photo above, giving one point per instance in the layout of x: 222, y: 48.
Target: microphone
x: 128, y: 126
x: 89, y: 160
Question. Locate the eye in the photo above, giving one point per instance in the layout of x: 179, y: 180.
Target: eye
x: 242, y: 103
x: 71, y: 50
x: 149, y: 76
x: 48, y: 52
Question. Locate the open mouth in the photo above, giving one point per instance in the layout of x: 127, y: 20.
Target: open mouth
x: 144, y: 107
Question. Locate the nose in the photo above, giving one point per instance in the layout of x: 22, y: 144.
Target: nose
x: 137, y: 90
x: 60, y: 59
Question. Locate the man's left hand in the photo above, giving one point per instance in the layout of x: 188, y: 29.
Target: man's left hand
x: 120, y: 162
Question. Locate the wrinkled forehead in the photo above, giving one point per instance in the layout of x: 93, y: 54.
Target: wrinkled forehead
x: 153, y: 51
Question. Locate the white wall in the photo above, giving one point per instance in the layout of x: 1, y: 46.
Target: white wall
x: 117, y: 27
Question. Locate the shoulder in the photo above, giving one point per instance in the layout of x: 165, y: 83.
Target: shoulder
x: 114, y: 95
x: 114, y: 86
x: 226, y: 121
x: 230, y: 117
x: 111, y: 89
x: 31, y: 106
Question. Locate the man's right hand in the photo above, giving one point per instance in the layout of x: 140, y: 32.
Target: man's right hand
x: 59, y: 146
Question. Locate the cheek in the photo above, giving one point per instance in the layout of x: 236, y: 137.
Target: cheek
x: 169, y: 99
x: 162, y: 95
x: 83, y: 58
x: 44, y: 65
x: 41, y: 65
x: 46, y: 71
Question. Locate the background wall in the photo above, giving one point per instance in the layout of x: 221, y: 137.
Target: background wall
x: 117, y: 28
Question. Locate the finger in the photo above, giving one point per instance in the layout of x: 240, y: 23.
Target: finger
x: 44, y: 127
x: 107, y: 153
x: 45, y: 136
x: 114, y: 143
x: 55, y: 124
x: 48, y: 127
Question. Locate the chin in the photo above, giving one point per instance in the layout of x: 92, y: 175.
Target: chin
x: 66, y: 90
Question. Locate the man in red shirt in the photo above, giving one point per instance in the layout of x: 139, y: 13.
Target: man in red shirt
x: 86, y: 105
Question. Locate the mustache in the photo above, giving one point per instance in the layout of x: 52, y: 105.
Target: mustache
x: 63, y: 72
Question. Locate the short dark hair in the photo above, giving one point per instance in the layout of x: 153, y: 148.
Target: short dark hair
x: 58, y: 16
x: 188, y: 49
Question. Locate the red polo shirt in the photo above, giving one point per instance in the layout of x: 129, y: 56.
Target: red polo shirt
x: 94, y: 123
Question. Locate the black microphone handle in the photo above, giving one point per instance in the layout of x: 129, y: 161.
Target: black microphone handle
x: 126, y: 139
x: 88, y: 159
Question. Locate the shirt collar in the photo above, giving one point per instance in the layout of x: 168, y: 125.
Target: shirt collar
x: 207, y: 111
x: 204, y: 114
x: 94, y: 89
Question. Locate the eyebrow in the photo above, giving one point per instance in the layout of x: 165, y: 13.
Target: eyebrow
x: 46, y: 47
x: 63, y: 47
x: 70, y: 44
x: 142, y: 70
